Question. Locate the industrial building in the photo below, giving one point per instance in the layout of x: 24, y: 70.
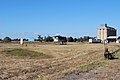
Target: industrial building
x: 106, y: 32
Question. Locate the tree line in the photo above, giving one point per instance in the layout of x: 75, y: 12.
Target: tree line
x: 50, y: 39
x: 69, y: 39
x: 8, y: 39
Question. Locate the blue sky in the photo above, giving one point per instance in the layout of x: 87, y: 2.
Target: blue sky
x: 27, y: 18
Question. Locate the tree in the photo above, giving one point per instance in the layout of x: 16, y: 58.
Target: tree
x: 70, y: 39
x: 86, y: 38
x: 45, y: 38
x: 16, y: 39
x: 75, y: 39
x: 80, y: 39
x: 7, y: 39
x: 48, y: 39
x: 40, y: 38
x: 25, y: 39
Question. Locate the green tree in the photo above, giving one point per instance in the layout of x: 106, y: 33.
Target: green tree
x: 86, y: 38
x: 40, y: 38
x: 75, y: 39
x: 48, y: 39
x: 45, y: 38
x: 7, y: 39
x: 70, y: 39
x: 16, y: 39
x: 81, y: 39
x: 25, y: 39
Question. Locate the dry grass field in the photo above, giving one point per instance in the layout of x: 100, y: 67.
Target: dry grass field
x: 75, y: 61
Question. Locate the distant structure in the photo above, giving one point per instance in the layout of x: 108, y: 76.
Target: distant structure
x: 107, y: 33
x: 60, y: 39
x: 93, y: 40
x: 21, y: 41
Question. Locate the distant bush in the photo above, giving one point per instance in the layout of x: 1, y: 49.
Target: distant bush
x: 40, y: 38
x: 7, y: 39
x: 70, y: 39
x: 16, y: 39
x: 48, y: 39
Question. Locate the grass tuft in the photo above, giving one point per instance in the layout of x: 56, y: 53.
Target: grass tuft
x: 118, y: 54
x: 91, y: 66
x: 24, y: 53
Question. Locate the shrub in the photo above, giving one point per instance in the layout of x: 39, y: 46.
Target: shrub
x: 7, y: 39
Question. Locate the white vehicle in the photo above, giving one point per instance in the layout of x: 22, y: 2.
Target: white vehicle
x: 94, y: 41
x: 60, y: 39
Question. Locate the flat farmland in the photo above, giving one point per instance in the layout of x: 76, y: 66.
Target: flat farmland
x: 75, y: 61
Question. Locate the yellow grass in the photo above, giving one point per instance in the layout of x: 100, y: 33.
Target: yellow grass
x: 66, y: 59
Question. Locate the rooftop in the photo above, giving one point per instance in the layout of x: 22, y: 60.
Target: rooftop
x: 105, y: 26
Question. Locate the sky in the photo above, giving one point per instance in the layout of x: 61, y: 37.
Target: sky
x: 28, y: 18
